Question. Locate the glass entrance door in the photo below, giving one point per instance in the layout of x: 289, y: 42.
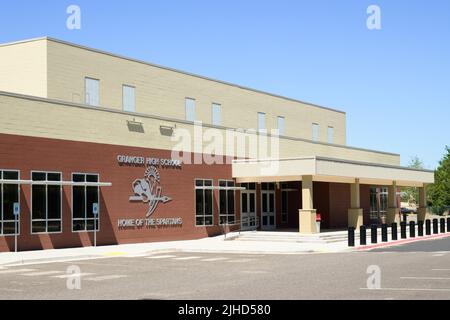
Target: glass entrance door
x: 248, y: 206
x: 267, y: 206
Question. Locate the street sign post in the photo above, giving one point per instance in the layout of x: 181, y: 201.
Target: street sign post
x: 95, y: 212
x: 16, y: 212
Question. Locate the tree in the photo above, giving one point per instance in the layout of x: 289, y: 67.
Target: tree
x: 411, y: 194
x: 440, y: 190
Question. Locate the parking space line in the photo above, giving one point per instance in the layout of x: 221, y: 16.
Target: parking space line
x: 239, y: 260
x: 186, y: 258
x: 64, y: 276
x: 16, y: 271
x: 424, y: 278
x: 408, y: 289
x: 161, y: 257
x: 41, y: 273
x: 108, y: 277
x: 440, y: 269
x: 214, y: 259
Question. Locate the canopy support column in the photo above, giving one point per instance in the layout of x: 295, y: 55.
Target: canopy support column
x: 307, y: 215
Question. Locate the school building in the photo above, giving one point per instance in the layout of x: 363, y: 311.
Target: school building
x: 88, y: 142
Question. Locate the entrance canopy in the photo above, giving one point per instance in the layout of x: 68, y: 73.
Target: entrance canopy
x: 328, y: 170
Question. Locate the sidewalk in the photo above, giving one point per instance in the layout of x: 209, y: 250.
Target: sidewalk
x: 207, y: 245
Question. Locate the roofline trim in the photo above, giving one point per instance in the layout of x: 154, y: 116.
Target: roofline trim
x: 150, y: 116
x: 328, y: 159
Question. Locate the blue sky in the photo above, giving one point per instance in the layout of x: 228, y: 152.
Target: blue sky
x: 394, y: 83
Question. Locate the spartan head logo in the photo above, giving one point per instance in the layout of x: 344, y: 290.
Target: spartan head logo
x: 148, y: 190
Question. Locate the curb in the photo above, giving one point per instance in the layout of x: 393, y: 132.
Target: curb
x: 401, y: 242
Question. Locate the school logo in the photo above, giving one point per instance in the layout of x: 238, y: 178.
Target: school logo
x: 149, y: 190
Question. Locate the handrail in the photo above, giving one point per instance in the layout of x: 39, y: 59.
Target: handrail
x: 252, y: 223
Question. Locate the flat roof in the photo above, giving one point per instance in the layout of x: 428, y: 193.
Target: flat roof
x: 171, y: 69
x: 325, y: 169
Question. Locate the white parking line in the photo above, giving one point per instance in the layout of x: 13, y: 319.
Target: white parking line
x: 424, y: 278
x: 41, y: 273
x: 239, y: 260
x: 186, y: 258
x: 214, y: 259
x: 64, y: 276
x: 407, y: 289
x: 440, y: 269
x: 102, y: 278
x: 16, y: 271
x: 161, y: 257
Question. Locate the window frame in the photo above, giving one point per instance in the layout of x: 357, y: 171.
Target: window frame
x: 85, y: 91
x: 281, y: 132
x: 330, y: 129
x: 186, y: 99
x: 263, y: 114
x: 227, y: 214
x: 46, y: 204
x: 2, y: 221
x: 85, y: 201
x: 123, y: 97
x: 313, y: 127
x: 214, y: 104
x: 203, y: 202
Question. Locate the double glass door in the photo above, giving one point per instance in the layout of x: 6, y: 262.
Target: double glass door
x: 267, y: 206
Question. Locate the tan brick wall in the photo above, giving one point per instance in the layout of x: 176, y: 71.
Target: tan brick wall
x: 40, y: 118
x: 162, y: 92
x: 23, y: 68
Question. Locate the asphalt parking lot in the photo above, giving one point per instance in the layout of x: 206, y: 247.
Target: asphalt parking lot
x: 415, y: 271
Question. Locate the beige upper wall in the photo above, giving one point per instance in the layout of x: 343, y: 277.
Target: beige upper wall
x: 29, y: 116
x: 23, y: 68
x: 159, y: 91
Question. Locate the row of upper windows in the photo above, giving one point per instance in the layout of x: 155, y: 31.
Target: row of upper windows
x: 129, y: 104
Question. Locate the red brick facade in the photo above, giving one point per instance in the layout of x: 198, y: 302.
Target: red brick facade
x: 28, y: 154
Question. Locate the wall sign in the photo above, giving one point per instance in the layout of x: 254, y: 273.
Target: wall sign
x: 149, y: 191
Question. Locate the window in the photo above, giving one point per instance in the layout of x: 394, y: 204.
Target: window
x: 226, y: 203
x: 190, y: 109
x: 128, y: 96
x: 9, y: 195
x: 284, y: 204
x: 378, y: 202
x: 216, y: 114
x: 203, y: 203
x: 46, y: 203
x: 315, y: 132
x: 83, y: 199
x: 92, y: 89
x: 330, y: 135
x: 281, y: 130
x: 261, y: 121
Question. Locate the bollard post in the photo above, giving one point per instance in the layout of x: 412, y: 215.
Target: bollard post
x: 448, y: 224
x: 373, y: 233
x: 384, y: 233
x: 403, y: 230
x: 351, y: 236
x: 442, y: 225
x: 420, y: 228
x: 428, y: 227
x: 394, y: 234
x: 362, y: 236
x: 412, y: 229
x: 435, y: 226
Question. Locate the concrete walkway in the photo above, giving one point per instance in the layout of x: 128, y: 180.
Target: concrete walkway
x: 214, y: 244
x: 232, y: 244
